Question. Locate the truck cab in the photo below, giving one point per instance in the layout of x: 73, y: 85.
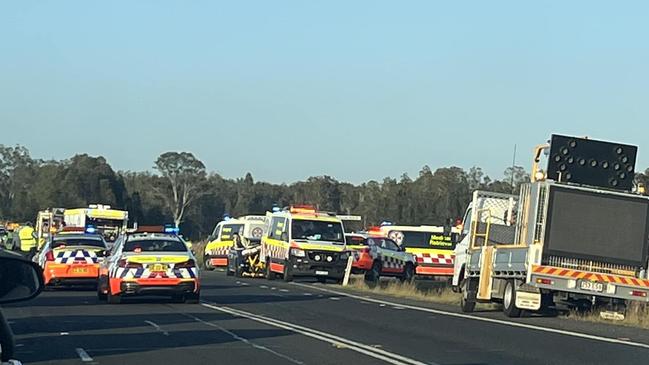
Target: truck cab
x: 304, y: 242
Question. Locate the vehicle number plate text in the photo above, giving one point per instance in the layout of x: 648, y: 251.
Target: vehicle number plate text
x: 322, y: 272
x: 80, y: 270
x: 592, y: 286
x: 159, y: 267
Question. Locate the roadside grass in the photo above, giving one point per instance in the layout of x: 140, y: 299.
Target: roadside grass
x: 416, y: 290
x: 636, y: 316
x: 198, y: 249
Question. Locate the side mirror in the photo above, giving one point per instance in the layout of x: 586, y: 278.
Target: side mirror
x: 402, y: 248
x: 19, y: 279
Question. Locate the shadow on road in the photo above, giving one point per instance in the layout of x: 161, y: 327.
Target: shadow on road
x: 97, y: 345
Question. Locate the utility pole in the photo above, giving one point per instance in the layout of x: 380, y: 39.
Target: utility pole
x: 513, y: 168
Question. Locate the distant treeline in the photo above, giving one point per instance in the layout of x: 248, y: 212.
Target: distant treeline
x: 28, y: 185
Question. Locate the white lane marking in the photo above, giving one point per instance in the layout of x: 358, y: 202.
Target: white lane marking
x: 283, y: 290
x: 83, y: 355
x: 483, y: 319
x: 263, y: 286
x: 158, y: 328
x: 389, y: 357
x: 307, y: 294
x: 65, y: 333
x: 244, y: 340
x: 334, y: 298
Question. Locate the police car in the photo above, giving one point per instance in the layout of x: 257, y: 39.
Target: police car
x: 377, y: 256
x: 150, y: 261
x: 71, y: 258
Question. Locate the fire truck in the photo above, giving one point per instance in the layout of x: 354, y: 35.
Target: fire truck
x: 577, y: 234
x: 98, y: 218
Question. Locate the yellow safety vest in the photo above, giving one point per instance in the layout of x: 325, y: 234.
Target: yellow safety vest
x: 27, y: 241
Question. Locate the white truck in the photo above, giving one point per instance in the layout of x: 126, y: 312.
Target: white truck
x: 572, y: 235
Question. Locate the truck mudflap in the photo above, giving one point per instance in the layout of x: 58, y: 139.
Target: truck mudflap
x: 528, y: 300
x: 590, y: 283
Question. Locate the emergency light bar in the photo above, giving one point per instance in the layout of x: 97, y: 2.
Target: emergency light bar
x: 170, y: 229
x: 302, y: 208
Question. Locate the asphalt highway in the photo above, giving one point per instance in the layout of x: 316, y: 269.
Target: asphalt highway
x: 260, y: 322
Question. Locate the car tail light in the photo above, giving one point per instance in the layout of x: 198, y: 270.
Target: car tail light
x: 49, y: 256
x: 187, y: 264
x: 129, y: 265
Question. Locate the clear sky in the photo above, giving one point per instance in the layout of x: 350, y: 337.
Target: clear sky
x: 288, y: 89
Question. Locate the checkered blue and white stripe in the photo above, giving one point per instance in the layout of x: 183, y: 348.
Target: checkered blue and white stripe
x: 145, y: 273
x: 76, y: 256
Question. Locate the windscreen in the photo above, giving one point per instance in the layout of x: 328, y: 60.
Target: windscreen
x: 602, y: 227
x: 72, y: 241
x: 313, y: 230
x: 356, y: 241
x: 229, y: 230
x: 154, y: 246
x: 418, y: 239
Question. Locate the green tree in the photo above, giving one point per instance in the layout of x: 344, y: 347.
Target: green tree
x: 184, y: 176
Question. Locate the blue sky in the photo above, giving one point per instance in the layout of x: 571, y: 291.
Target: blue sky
x: 288, y: 89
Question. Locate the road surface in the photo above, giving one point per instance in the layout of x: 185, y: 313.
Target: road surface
x: 260, y: 322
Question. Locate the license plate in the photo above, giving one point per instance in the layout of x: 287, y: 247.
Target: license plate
x: 592, y: 286
x: 159, y: 267
x: 80, y: 270
x: 322, y: 272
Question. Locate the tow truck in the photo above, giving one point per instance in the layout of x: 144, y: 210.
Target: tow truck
x: 99, y: 218
x: 303, y: 241
x: 432, y: 246
x: 249, y: 228
x: 577, y: 234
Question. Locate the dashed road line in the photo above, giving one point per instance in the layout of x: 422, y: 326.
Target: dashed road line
x: 83, y: 355
x: 380, y: 354
x: 244, y: 340
x: 158, y: 328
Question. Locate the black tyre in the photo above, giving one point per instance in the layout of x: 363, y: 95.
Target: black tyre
x: 269, y: 274
x: 408, y: 274
x: 229, y: 272
x: 374, y: 274
x: 113, y: 299
x: 468, y: 297
x: 509, y: 300
x: 288, y: 272
x: 100, y: 294
x: 193, y: 298
x: 208, y: 264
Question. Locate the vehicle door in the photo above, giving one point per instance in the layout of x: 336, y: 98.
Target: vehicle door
x: 392, y: 256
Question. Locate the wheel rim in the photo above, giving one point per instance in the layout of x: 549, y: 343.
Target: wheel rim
x: 509, y: 293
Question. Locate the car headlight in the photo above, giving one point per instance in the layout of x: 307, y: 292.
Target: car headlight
x: 297, y: 252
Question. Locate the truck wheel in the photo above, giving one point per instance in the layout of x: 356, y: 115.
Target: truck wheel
x: 467, y: 299
x: 208, y: 264
x: 288, y: 273
x: 374, y: 275
x: 408, y: 274
x: 269, y: 274
x: 509, y: 300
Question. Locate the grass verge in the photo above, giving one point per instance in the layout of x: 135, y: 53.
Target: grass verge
x: 416, y: 291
